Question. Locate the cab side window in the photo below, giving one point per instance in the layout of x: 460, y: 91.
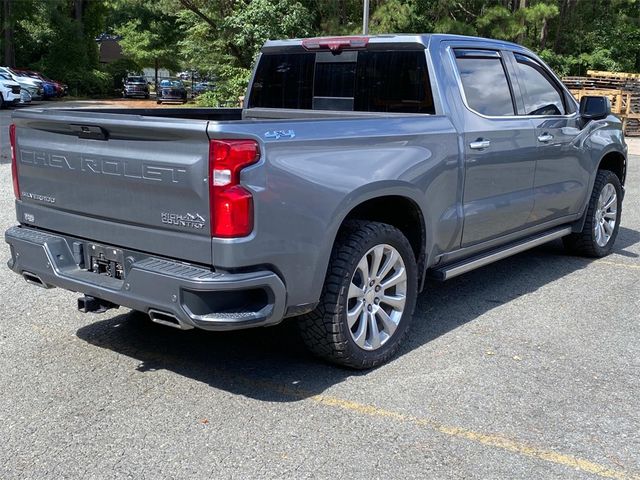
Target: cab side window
x: 540, y: 94
x: 484, y: 80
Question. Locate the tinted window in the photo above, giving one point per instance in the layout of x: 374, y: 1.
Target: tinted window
x: 375, y: 81
x: 539, y: 93
x: 171, y: 83
x: 334, y: 79
x: 393, y: 82
x: 485, y: 84
x: 284, y: 81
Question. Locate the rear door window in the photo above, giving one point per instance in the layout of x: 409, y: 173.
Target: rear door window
x: 540, y: 94
x: 485, y: 84
x: 366, y: 81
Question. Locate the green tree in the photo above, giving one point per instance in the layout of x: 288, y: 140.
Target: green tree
x: 148, y: 32
x: 224, y: 41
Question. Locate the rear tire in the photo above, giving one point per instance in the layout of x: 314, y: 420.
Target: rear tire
x: 603, y: 218
x: 367, y: 300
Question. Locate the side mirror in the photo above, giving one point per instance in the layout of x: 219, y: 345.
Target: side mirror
x: 595, y: 108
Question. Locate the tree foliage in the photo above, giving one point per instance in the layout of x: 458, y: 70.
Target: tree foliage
x: 220, y: 38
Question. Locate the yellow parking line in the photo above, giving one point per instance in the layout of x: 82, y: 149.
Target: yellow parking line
x: 488, y: 439
x: 491, y: 440
x: 618, y: 264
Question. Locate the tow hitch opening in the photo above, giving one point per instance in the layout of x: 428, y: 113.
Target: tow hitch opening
x: 88, y: 304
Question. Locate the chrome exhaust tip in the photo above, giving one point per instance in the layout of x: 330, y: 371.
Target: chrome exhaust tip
x: 34, y: 279
x: 167, y: 319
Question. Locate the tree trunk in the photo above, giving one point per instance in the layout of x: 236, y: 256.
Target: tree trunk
x: 9, y: 51
x: 156, y: 75
x: 522, y: 4
x: 543, y: 34
x: 78, y: 11
x: 560, y: 25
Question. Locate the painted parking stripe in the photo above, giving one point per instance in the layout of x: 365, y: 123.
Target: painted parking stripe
x: 487, y: 439
x: 618, y: 264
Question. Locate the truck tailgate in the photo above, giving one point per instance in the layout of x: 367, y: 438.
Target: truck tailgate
x: 116, y: 178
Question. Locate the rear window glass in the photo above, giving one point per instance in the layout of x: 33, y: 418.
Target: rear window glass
x: 369, y: 81
x: 334, y: 79
x: 393, y: 82
x: 284, y: 81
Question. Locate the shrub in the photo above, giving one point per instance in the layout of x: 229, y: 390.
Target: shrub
x: 93, y: 83
x: 119, y: 69
x: 207, y: 99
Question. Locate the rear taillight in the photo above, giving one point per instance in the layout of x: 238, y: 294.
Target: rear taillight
x: 14, y: 162
x: 231, y: 204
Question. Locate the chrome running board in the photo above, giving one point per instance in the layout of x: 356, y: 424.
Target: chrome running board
x: 458, y: 268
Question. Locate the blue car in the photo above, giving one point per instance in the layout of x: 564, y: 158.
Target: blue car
x: 49, y: 87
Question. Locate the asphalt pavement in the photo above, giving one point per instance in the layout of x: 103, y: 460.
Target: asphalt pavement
x: 527, y: 368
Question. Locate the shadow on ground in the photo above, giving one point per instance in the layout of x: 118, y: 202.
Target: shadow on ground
x: 270, y: 364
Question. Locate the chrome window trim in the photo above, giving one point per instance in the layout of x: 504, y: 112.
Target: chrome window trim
x: 456, y: 73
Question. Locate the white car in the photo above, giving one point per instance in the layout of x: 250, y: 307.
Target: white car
x: 25, y: 96
x: 32, y: 85
x: 9, y: 91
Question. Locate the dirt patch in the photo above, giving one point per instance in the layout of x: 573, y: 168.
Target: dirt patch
x: 112, y: 103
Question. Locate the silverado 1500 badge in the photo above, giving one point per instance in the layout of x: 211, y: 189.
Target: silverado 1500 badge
x: 188, y: 220
x: 38, y: 197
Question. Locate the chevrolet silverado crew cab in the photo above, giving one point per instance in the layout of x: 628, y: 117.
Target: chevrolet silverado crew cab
x: 358, y: 168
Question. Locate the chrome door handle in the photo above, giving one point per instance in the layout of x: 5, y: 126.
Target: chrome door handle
x: 545, y: 137
x: 480, y: 144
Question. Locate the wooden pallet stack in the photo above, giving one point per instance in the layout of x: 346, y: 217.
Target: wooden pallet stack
x: 622, y: 88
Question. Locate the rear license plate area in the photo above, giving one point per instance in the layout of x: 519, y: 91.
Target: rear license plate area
x: 107, y: 261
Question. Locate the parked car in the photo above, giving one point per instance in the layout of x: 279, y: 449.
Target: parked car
x: 59, y: 89
x: 25, y: 97
x: 62, y: 89
x: 31, y: 85
x: 135, y: 87
x: 9, y: 91
x: 201, y: 87
x: 360, y: 167
x: 171, y: 91
x: 48, y: 87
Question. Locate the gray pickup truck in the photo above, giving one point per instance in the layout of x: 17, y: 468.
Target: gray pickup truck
x: 359, y: 167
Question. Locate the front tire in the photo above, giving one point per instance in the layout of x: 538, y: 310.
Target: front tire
x: 367, y: 300
x: 603, y: 218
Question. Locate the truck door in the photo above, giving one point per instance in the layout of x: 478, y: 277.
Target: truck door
x: 562, y: 170
x: 499, y: 149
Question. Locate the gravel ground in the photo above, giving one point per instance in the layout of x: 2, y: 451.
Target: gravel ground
x: 528, y: 368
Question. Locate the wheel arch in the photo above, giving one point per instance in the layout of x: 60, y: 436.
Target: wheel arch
x: 400, y: 209
x: 612, y: 160
x: 616, y: 162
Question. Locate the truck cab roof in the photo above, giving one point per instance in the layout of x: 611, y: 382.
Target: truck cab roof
x: 425, y: 39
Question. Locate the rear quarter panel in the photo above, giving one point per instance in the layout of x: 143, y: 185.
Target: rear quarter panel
x: 305, y: 186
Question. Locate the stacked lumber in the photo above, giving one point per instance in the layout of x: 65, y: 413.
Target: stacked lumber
x: 622, y: 88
